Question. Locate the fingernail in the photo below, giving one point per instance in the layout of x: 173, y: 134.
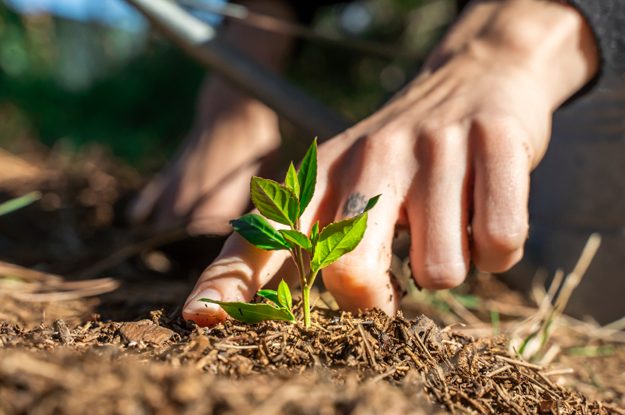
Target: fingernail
x: 196, y: 306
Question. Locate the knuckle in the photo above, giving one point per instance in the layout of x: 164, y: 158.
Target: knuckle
x: 378, y: 141
x: 438, y: 141
x: 433, y: 133
x: 502, y: 133
x: 498, y: 122
x: 379, y: 148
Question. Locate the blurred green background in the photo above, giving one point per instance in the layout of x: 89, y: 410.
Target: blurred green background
x: 77, y: 82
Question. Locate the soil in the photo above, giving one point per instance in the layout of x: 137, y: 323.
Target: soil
x: 90, y: 322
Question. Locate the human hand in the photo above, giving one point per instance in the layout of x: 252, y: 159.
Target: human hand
x: 451, y: 155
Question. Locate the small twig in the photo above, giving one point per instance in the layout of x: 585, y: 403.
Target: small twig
x: 498, y: 371
x: 557, y: 372
x: 477, y: 405
x: 386, y: 374
x: 613, y: 408
x: 518, y: 362
x: 236, y: 346
x: 368, y: 350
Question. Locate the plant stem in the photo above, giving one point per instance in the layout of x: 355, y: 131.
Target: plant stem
x: 310, y: 280
x: 305, y: 284
x: 306, y: 304
x: 298, y: 257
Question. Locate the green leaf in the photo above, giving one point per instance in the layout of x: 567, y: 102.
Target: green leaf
x: 371, y: 203
x: 253, y: 313
x: 257, y: 231
x: 19, y: 202
x: 291, y: 181
x: 284, y: 295
x: 314, y: 234
x: 307, y: 176
x: 296, y: 238
x: 337, y: 239
x: 270, y: 295
x: 274, y: 201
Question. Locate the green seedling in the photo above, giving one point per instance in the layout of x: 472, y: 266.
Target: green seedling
x: 285, y: 203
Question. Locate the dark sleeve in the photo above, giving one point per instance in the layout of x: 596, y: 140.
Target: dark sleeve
x: 607, y: 20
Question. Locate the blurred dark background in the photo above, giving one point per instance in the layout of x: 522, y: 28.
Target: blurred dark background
x: 74, y: 73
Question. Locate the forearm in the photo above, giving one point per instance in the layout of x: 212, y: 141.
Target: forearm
x: 549, y: 40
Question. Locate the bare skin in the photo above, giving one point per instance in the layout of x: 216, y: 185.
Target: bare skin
x: 205, y: 185
x: 451, y: 155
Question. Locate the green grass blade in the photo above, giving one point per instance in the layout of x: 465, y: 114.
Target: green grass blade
x: 19, y: 202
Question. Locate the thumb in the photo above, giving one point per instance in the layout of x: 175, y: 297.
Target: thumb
x: 237, y: 274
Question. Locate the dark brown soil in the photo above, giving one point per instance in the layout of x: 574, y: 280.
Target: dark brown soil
x: 150, y: 365
x: 70, y: 345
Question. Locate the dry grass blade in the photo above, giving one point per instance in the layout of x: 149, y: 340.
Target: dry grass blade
x: 531, y: 336
x: 458, y: 308
x: 37, y: 286
x: 575, y: 277
x: 73, y: 291
x: 8, y: 270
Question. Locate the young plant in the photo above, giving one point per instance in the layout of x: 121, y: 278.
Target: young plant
x: 285, y: 204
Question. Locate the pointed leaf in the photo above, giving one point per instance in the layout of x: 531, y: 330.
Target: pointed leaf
x: 337, y: 239
x: 314, y: 233
x: 257, y: 231
x: 291, y: 181
x: 284, y: 295
x: 371, y: 203
x: 296, y: 238
x: 274, y: 201
x: 253, y: 313
x: 270, y: 295
x: 307, y: 176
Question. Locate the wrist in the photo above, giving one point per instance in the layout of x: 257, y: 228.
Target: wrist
x: 549, y: 41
